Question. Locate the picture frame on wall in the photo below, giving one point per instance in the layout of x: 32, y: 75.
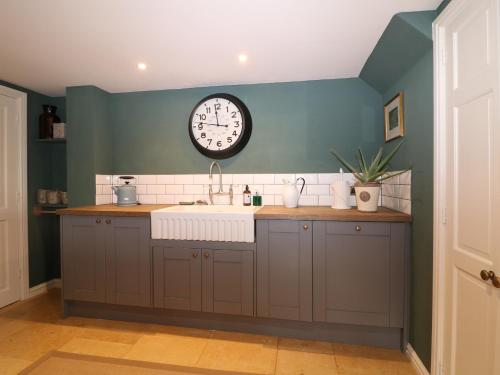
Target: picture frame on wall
x: 394, y: 118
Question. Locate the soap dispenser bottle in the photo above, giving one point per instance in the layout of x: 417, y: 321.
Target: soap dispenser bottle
x: 247, y: 197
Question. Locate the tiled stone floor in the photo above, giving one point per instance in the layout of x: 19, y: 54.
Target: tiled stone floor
x: 30, y: 329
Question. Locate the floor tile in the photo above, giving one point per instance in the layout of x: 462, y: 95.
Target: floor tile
x: 96, y: 347
x: 168, y: 348
x: 364, y: 360
x: 303, y: 357
x: 240, y: 352
x: 12, y: 366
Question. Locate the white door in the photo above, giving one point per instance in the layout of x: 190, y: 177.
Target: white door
x: 471, y: 180
x: 10, y: 190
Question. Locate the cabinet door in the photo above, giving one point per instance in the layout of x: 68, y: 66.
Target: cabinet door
x: 358, y: 273
x: 284, y: 269
x: 228, y: 286
x: 128, y: 261
x: 83, y: 258
x: 177, y: 278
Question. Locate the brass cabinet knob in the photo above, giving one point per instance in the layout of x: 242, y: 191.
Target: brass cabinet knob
x: 206, y: 255
x: 195, y: 255
x: 495, y: 280
x: 98, y: 221
x: 358, y: 228
x: 108, y: 221
x: 306, y: 227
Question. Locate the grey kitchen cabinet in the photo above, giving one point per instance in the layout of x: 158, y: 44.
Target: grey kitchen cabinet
x: 208, y: 280
x: 83, y: 258
x: 284, y: 269
x: 177, y: 278
x: 106, y: 259
x: 359, y: 273
x: 128, y: 261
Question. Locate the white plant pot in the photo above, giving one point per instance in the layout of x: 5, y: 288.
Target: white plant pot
x: 367, y: 197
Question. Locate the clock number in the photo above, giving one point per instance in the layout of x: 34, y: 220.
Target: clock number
x: 208, y: 109
x: 233, y: 114
x: 229, y: 139
x: 219, y: 143
x: 202, y: 116
x: 209, y: 141
x: 200, y: 126
x: 203, y: 135
x: 235, y: 134
x: 217, y: 106
x: 236, y: 124
x: 227, y: 109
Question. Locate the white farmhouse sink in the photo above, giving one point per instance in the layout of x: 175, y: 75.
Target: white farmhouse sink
x: 204, y: 223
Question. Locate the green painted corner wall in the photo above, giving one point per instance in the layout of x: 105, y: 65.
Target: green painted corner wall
x: 46, y: 169
x: 417, y: 85
x: 294, y: 126
x: 89, y: 150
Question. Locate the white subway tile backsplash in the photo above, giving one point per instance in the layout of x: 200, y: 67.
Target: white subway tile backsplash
x: 308, y: 200
x: 311, y: 178
x: 146, y: 179
x: 278, y: 178
x: 156, y: 189
x: 193, y: 189
x: 103, y: 179
x: 243, y: 179
x: 171, y: 189
x: 263, y: 179
x: 318, y: 189
x: 174, y: 189
x: 147, y: 199
x: 165, y: 179
x: 183, y: 179
x: 273, y: 189
x: 327, y: 178
x: 165, y: 199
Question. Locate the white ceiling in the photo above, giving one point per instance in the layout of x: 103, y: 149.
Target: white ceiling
x: 47, y: 45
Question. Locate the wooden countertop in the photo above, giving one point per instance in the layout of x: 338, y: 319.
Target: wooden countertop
x: 112, y: 210
x: 266, y: 212
x: 328, y: 213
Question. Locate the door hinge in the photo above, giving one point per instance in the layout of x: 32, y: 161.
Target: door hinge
x: 443, y: 215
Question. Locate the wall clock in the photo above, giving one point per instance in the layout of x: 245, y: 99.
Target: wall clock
x: 220, y: 126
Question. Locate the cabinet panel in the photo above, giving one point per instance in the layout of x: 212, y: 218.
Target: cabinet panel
x: 128, y: 258
x: 177, y: 278
x: 284, y: 269
x: 354, y: 274
x: 228, y: 285
x: 83, y: 258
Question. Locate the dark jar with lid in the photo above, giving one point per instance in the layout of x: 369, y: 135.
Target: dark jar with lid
x: 46, y: 120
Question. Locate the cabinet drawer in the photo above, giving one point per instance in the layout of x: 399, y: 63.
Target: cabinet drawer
x: 358, y: 228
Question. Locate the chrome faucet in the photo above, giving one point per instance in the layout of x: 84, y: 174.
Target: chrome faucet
x: 221, y: 190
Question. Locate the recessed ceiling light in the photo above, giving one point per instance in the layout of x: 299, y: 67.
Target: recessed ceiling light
x: 242, y: 58
x: 142, y: 66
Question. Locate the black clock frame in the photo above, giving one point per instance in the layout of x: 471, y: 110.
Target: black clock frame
x: 246, y: 129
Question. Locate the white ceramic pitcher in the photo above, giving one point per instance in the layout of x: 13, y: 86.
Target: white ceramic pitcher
x: 291, y: 193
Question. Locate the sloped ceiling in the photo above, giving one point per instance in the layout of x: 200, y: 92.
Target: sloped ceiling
x: 48, y: 45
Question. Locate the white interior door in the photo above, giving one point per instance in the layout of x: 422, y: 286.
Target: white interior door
x: 10, y: 193
x: 471, y: 180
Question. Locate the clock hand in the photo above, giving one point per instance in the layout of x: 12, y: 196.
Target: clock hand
x: 207, y: 123
x: 217, y: 117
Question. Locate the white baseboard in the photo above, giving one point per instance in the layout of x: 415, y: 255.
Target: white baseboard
x: 43, y: 288
x: 415, y: 361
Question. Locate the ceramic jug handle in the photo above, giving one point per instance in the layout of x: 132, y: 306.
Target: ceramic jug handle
x: 303, y: 184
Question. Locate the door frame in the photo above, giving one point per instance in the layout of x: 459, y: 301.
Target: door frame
x: 21, y: 99
x: 440, y: 256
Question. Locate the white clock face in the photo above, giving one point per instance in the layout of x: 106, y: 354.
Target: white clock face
x: 217, y: 124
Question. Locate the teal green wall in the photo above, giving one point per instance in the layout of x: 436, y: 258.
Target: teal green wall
x: 416, y: 84
x: 89, y: 150
x: 407, y: 44
x: 294, y: 126
x: 46, y: 169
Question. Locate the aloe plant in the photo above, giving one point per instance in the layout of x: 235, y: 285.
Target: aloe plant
x: 376, y: 171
